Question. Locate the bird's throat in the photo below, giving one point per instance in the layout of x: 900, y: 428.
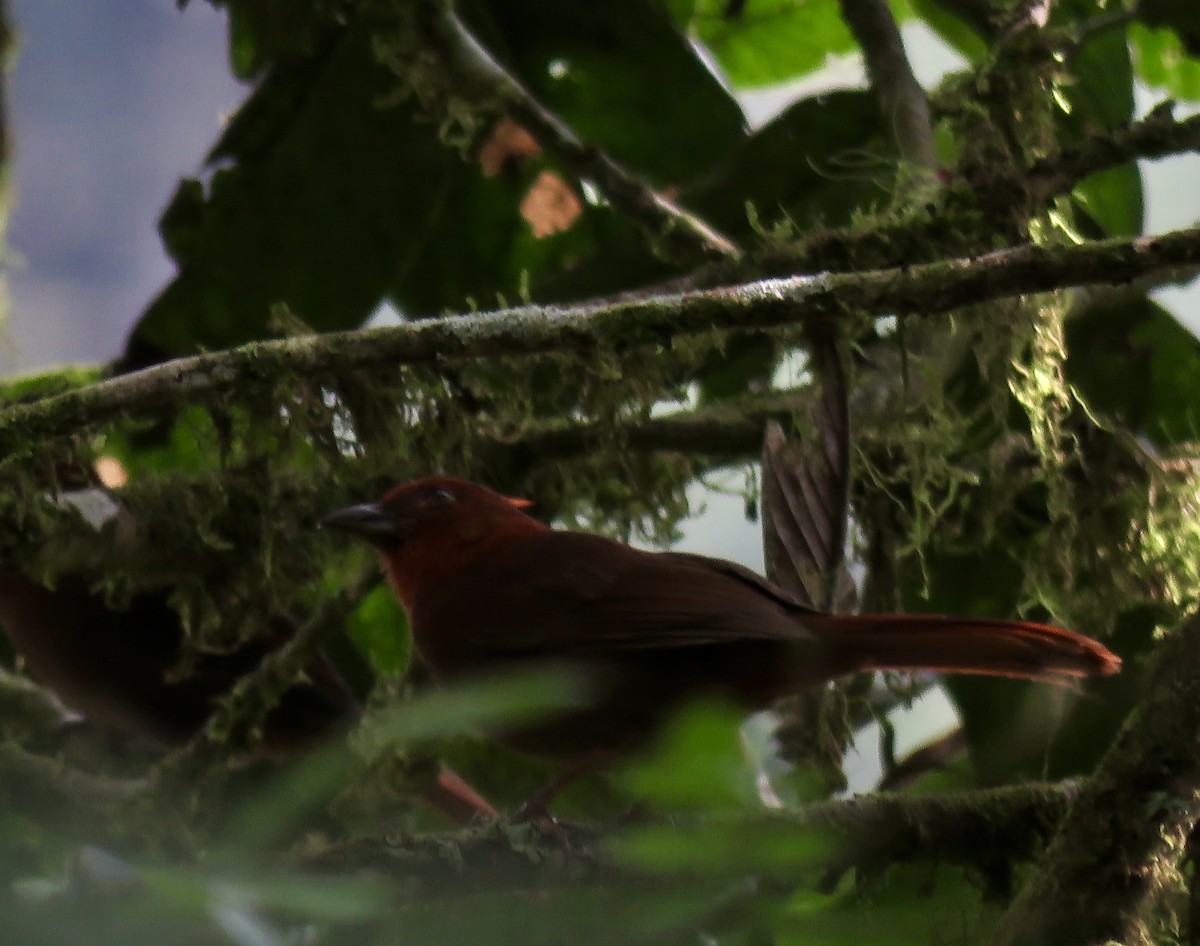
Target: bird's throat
x: 429, y: 560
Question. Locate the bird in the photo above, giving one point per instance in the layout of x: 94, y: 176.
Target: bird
x: 490, y: 589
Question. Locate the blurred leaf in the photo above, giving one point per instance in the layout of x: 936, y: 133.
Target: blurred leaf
x: 614, y: 915
x: 501, y: 701
x: 1180, y: 17
x: 1113, y: 199
x: 1133, y: 361
x: 768, y: 41
x: 912, y: 904
x: 727, y: 847
x: 1163, y: 61
x: 698, y: 762
x: 283, y: 803
x: 328, y: 898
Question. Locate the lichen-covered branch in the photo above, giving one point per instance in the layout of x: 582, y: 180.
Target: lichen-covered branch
x: 528, y: 330
x: 1119, y: 845
x: 676, y: 230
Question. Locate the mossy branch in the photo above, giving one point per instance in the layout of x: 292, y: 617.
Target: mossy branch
x: 986, y: 830
x: 235, y: 725
x: 1158, y: 135
x: 76, y: 802
x: 1119, y: 845
x: 622, y: 325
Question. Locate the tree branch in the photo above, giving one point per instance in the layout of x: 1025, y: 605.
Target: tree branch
x: 986, y: 830
x: 529, y: 330
x: 901, y: 98
x: 473, y: 67
x: 56, y: 794
x: 1158, y: 135
x: 236, y: 723
x: 1118, y: 846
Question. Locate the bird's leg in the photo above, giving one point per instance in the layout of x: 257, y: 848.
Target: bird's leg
x: 537, y: 807
x: 457, y: 800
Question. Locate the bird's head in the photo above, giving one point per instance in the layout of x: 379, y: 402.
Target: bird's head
x: 426, y: 508
x: 426, y: 528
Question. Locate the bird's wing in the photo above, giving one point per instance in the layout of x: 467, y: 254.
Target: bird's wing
x: 579, y: 594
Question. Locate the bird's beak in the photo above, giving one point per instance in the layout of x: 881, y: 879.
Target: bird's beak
x: 367, y: 520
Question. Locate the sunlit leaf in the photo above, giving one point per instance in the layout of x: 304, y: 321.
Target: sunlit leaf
x: 769, y: 41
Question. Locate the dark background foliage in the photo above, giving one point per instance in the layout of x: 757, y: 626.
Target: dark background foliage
x: 1025, y: 454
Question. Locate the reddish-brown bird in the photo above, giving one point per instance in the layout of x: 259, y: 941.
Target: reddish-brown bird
x: 488, y: 588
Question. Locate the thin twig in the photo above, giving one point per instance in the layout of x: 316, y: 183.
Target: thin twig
x: 685, y: 234
x: 237, y: 721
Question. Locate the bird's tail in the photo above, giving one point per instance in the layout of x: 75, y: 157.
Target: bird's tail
x: 961, y: 645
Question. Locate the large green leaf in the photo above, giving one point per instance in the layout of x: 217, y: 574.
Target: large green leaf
x: 767, y: 41
x: 329, y: 202
x: 1100, y: 97
x: 1163, y: 61
x: 1133, y: 361
x: 817, y: 163
x: 324, y: 202
x: 625, y: 79
x: 1017, y: 729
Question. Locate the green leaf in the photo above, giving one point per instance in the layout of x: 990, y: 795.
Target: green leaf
x: 725, y: 847
x: 958, y: 34
x: 816, y: 163
x: 912, y: 904
x: 769, y: 41
x: 699, y: 762
x: 511, y: 700
x: 1113, y: 199
x: 1162, y: 61
x: 625, y: 79
x: 597, y: 915
x: 1132, y: 360
x: 379, y: 628
x: 1101, y: 97
x: 325, y: 201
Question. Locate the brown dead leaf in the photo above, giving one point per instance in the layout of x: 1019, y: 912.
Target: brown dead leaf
x: 110, y: 472
x: 509, y: 142
x: 550, y: 206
